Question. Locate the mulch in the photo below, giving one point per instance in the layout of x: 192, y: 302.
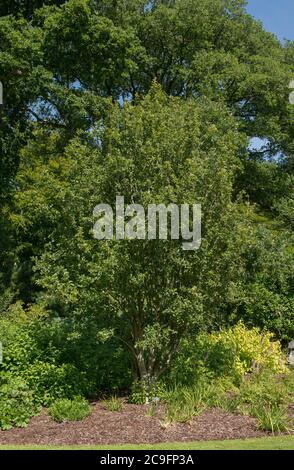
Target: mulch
x: 132, y: 426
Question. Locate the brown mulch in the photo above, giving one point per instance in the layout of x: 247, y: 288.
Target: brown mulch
x: 291, y: 412
x: 131, y: 425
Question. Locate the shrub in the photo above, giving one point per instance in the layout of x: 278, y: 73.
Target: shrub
x: 233, y: 352
x: 16, y: 402
x: 50, y: 381
x: 239, y: 350
x: 263, y: 395
x: 25, y: 357
x: 264, y: 387
x: 59, y: 358
x: 69, y: 410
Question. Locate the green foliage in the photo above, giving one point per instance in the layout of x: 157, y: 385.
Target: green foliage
x: 228, y: 58
x: 143, y: 392
x: 63, y: 410
x: 196, y: 81
x: 25, y: 7
x: 231, y: 352
x: 55, y: 360
x: 265, y: 297
x: 17, y: 404
x: 266, y: 182
x: 266, y: 397
x: 272, y: 418
x: 152, y: 408
x: 50, y: 381
x: 40, y: 367
x: 239, y: 350
x: 105, y: 282
x: 265, y: 387
x: 184, y: 402
x: 113, y: 404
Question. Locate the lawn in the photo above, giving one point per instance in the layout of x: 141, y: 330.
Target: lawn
x: 269, y: 443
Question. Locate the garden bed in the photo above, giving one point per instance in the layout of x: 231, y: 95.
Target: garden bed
x: 132, y: 425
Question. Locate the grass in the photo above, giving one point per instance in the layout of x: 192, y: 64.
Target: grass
x: 264, y: 396
x: 268, y: 443
x: 113, y: 404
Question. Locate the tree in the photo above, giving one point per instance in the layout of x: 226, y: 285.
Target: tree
x: 84, y: 49
x: 148, y: 293
x: 25, y: 8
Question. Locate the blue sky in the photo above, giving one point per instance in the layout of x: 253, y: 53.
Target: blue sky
x: 276, y: 15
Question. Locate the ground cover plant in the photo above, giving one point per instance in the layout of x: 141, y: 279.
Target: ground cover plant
x: 69, y: 410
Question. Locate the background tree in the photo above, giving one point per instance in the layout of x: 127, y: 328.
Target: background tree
x: 25, y: 8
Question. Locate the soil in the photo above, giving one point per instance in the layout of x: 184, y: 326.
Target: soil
x: 132, y: 425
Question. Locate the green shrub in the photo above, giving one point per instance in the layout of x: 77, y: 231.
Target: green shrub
x: 50, y: 381
x: 59, y: 358
x: 37, y: 366
x: 267, y: 387
x: 16, y: 402
x: 233, y: 352
x: 113, y: 404
x: 240, y: 350
x: 69, y: 410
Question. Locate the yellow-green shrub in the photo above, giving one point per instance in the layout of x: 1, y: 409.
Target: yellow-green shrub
x: 245, y: 350
x: 231, y: 352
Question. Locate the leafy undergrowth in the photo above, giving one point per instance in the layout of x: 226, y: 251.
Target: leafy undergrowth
x: 264, y: 396
x: 69, y: 410
x: 17, y: 404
